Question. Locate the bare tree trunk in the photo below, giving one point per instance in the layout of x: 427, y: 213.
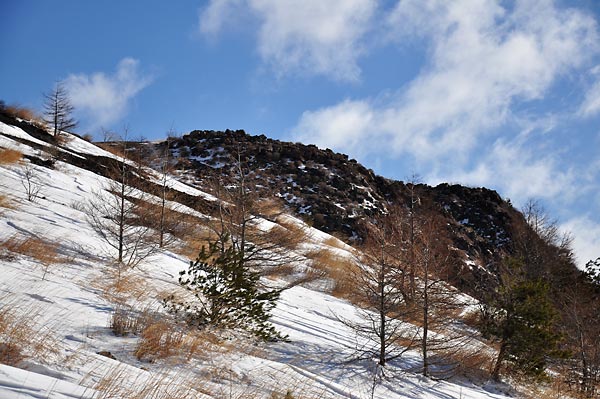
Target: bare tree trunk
x: 382, y: 310
x: 425, y: 317
x: 499, y: 359
x: 121, y: 216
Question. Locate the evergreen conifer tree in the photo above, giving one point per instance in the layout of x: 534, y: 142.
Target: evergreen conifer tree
x: 592, y: 271
x: 227, y: 293
x: 521, y: 319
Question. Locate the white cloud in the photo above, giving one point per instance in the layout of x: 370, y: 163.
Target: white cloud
x: 103, y: 99
x: 218, y: 14
x: 311, y: 37
x: 520, y: 172
x: 338, y: 126
x: 482, y: 60
x: 586, y: 238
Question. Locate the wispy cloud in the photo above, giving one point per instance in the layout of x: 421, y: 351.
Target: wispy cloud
x: 520, y: 171
x: 586, y: 238
x: 101, y: 99
x: 311, y: 37
x: 591, y: 103
x: 470, y: 115
x: 483, y: 59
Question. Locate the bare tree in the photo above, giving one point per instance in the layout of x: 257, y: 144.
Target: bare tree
x: 115, y: 214
x: 58, y: 111
x: 436, y: 300
x: 411, y: 221
x: 581, y: 310
x: 240, y: 218
x: 31, y: 182
x: 383, y: 292
x: 165, y: 169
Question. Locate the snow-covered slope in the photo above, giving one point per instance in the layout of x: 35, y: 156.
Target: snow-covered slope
x: 64, y: 308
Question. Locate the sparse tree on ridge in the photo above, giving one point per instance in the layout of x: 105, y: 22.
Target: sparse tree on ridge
x: 58, y: 110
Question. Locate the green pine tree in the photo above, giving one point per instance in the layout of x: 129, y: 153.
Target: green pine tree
x: 521, y: 319
x: 227, y: 293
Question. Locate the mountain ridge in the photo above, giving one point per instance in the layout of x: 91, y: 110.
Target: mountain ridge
x: 334, y: 192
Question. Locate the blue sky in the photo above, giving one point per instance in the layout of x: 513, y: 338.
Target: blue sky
x: 502, y: 94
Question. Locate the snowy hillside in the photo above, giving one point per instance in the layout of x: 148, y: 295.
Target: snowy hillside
x: 59, y: 297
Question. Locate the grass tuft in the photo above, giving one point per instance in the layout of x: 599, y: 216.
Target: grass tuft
x: 9, y: 156
x: 339, y: 269
x: 5, y: 202
x: 46, y: 253
x: 20, y: 339
x: 21, y: 112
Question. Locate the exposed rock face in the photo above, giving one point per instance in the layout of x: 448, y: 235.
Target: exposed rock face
x: 333, y: 192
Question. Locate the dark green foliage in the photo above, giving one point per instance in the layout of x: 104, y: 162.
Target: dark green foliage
x: 227, y: 294
x: 592, y: 271
x: 521, y: 318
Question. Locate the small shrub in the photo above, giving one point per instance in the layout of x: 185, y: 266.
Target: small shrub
x: 125, y: 321
x: 8, y: 156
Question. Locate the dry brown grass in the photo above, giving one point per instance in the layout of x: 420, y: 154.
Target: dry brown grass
x: 125, y: 321
x: 44, y: 252
x: 118, y: 284
x: 119, y: 383
x: 19, y: 337
x: 159, y: 340
x: 9, y: 156
x: 190, y: 247
x: 5, y: 202
x: 335, y: 243
x: 163, y: 339
x: 554, y: 388
x: 14, y: 333
x: 19, y: 111
x: 160, y: 337
x: 339, y: 269
x: 282, y: 237
x: 295, y: 229
x: 471, y: 362
x: 115, y: 148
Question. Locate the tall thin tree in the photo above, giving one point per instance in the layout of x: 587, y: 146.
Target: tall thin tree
x: 58, y: 110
